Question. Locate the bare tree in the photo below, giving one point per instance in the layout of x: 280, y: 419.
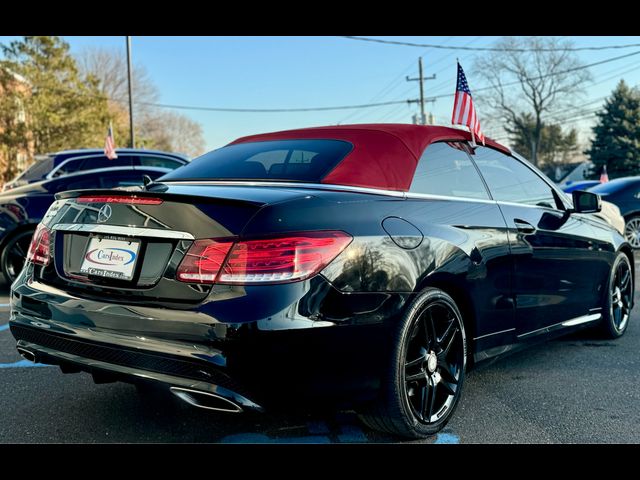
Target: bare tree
x: 156, y: 128
x: 171, y: 131
x: 536, y: 83
x: 109, y: 67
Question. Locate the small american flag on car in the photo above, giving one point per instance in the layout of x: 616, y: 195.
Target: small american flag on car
x: 110, y: 145
x: 464, y: 113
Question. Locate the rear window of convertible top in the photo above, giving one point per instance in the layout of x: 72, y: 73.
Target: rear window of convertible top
x: 305, y: 160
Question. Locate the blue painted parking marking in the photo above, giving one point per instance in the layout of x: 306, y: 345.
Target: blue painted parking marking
x: 260, y: 438
x: 447, y: 438
x: 22, y: 364
x: 352, y: 434
x: 4, y: 327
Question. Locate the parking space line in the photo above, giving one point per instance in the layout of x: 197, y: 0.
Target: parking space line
x: 4, y: 327
x: 5, y: 305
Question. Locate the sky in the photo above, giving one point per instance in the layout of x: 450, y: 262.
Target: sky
x: 298, y: 72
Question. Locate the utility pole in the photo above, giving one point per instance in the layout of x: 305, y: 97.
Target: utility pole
x: 132, y: 142
x: 421, y: 78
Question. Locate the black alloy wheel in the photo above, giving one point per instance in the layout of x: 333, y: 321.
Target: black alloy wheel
x: 617, y: 310
x: 424, y: 384
x: 14, y: 255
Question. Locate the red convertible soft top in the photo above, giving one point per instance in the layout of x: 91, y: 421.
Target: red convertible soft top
x: 384, y: 155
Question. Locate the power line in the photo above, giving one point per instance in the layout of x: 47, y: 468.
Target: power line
x: 487, y: 49
x: 272, y: 110
x: 575, y: 69
x: 344, y: 107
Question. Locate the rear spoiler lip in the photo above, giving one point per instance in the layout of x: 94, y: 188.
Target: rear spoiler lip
x: 179, y: 197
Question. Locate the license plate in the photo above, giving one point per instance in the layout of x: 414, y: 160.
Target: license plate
x: 106, y: 257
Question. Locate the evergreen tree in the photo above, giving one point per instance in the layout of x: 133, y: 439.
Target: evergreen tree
x: 555, y: 147
x: 65, y: 109
x: 616, y: 142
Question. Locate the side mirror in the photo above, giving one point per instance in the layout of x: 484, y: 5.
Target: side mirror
x: 586, y: 202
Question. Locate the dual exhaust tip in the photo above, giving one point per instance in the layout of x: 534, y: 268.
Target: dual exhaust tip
x: 206, y: 400
x: 197, y: 398
x: 27, y: 354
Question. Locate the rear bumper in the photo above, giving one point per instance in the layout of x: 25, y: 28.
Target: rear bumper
x: 266, y: 362
x: 60, y: 355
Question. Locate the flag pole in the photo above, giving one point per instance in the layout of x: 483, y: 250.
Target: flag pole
x: 132, y: 142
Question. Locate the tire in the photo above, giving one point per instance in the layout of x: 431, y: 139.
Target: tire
x: 616, y: 310
x: 426, y: 371
x: 14, y: 254
x: 632, y: 231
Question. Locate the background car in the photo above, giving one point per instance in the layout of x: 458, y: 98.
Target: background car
x: 609, y: 213
x: 625, y: 194
x: 578, y: 185
x: 354, y: 265
x: 71, y: 161
x: 23, y: 207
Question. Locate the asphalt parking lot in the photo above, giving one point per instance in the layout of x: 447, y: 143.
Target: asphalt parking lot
x: 578, y: 389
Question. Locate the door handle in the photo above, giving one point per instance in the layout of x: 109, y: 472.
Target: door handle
x: 524, y: 227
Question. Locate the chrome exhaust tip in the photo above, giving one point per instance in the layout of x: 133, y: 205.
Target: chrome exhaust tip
x: 27, y: 354
x: 206, y: 400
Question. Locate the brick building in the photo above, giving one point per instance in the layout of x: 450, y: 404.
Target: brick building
x: 16, y: 142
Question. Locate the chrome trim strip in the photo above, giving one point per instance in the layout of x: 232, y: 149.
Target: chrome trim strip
x: 494, y: 333
x: 431, y: 196
x: 567, y: 323
x: 315, y: 186
x: 583, y: 319
x: 121, y: 230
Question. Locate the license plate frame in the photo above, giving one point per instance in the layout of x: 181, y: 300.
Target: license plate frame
x: 111, y: 257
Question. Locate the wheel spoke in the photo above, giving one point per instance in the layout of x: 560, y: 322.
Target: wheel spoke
x: 447, y: 372
x: 415, y: 362
x: 19, y: 251
x: 429, y: 329
x: 424, y: 400
x: 625, y: 280
x: 449, y: 387
x: 432, y: 401
x: 414, y: 377
x: 445, y: 350
x: 446, y: 333
x: 617, y: 316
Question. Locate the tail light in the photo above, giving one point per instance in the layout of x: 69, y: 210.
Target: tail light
x: 282, y: 259
x: 40, y: 247
x: 203, y: 261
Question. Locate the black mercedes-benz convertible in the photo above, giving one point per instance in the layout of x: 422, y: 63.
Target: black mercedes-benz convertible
x: 362, y: 266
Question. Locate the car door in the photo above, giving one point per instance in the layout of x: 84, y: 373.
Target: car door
x: 553, y: 251
x: 455, y: 212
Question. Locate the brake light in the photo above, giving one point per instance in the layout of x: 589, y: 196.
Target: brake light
x: 203, y: 261
x: 40, y: 247
x: 288, y: 258
x: 129, y: 199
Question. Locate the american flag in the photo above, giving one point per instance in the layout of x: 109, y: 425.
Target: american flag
x: 464, y: 146
x: 604, y: 178
x: 110, y: 145
x: 464, y: 113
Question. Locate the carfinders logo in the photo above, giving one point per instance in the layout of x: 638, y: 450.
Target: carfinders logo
x: 104, y: 213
